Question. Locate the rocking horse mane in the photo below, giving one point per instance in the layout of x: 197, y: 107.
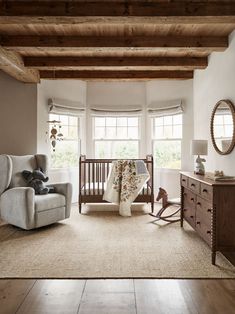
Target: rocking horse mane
x: 162, y: 193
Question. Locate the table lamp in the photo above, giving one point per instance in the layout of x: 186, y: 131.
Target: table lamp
x: 199, y: 147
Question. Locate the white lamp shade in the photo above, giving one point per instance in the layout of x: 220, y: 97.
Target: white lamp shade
x: 199, y: 147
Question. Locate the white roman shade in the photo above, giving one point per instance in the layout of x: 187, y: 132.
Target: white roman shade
x: 166, y: 108
x: 66, y: 107
x: 116, y: 110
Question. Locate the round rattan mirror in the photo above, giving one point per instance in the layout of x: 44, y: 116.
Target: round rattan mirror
x: 223, y: 127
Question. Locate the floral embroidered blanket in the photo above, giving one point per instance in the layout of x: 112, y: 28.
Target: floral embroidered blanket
x: 125, y: 181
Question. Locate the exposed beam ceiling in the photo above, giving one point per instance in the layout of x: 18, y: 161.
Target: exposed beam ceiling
x: 12, y: 63
x: 112, y: 39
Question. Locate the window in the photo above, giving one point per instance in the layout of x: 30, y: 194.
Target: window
x: 167, y: 136
x: 116, y: 137
x: 67, y: 151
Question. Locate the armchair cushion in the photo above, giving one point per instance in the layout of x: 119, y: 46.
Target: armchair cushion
x: 20, y: 163
x: 49, y: 201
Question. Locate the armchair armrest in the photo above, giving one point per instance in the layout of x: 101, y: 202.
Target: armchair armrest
x: 66, y: 190
x: 17, y: 207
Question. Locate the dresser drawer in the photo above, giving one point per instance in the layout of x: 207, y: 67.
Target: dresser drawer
x: 206, y: 191
x: 184, y: 181
x: 189, y: 215
x: 203, y: 211
x: 194, y: 185
x: 204, y: 231
x: 189, y: 201
x: 189, y: 198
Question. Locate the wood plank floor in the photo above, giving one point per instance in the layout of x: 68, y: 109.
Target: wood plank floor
x: 138, y: 296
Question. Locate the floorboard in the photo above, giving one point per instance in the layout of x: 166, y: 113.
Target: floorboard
x: 53, y: 296
x: 13, y: 293
x: 139, y: 296
x: 165, y: 296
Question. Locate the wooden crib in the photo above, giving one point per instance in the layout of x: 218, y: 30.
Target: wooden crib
x: 92, y: 177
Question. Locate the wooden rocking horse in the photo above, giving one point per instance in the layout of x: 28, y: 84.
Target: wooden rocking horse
x: 162, y: 194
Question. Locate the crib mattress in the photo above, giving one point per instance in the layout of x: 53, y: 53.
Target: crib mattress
x: 97, y: 189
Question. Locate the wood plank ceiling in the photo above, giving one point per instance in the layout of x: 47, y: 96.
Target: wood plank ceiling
x: 108, y: 40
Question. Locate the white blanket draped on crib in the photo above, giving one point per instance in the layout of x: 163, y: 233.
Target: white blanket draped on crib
x: 125, y: 181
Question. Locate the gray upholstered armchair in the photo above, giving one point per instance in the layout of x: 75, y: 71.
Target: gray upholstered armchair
x: 19, y: 205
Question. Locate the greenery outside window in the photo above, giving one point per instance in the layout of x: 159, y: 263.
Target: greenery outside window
x: 67, y: 151
x: 116, y: 137
x: 167, y: 138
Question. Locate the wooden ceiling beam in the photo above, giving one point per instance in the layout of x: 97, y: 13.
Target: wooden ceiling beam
x: 12, y: 63
x: 187, y: 42
x: 116, y: 75
x: 70, y: 62
x: 107, y: 20
x: 118, y: 8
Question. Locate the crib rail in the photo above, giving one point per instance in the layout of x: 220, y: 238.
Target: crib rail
x: 93, y: 174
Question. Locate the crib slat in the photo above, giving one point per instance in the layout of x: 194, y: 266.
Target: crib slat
x: 107, y: 169
x: 93, y: 177
x: 103, y: 176
x: 98, y: 177
x: 89, y: 178
x: 85, y: 165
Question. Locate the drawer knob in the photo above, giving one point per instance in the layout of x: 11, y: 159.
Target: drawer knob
x: 208, y: 231
x: 198, y: 222
x: 192, y: 184
x: 183, y: 180
x: 184, y: 194
x: 209, y: 210
x: 204, y: 191
x: 199, y: 204
x: 192, y: 199
x: 191, y: 216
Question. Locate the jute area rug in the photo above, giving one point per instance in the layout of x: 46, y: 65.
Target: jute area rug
x: 101, y: 244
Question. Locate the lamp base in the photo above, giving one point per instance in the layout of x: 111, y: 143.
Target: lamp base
x: 200, y: 169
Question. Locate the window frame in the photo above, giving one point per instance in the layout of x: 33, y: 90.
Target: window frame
x: 169, y: 139
x: 78, y: 140
x: 94, y: 140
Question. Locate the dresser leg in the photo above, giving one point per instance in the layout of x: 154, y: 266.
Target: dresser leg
x: 181, y: 218
x: 213, y: 256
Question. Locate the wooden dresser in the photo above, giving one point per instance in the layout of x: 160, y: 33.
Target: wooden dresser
x: 209, y: 207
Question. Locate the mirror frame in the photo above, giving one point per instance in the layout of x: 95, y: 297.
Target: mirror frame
x: 232, y: 109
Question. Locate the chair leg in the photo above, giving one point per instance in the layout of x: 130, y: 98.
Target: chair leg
x: 80, y: 208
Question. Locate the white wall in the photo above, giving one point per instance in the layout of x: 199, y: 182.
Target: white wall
x: 71, y: 90
x: 210, y: 85
x: 18, y: 116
